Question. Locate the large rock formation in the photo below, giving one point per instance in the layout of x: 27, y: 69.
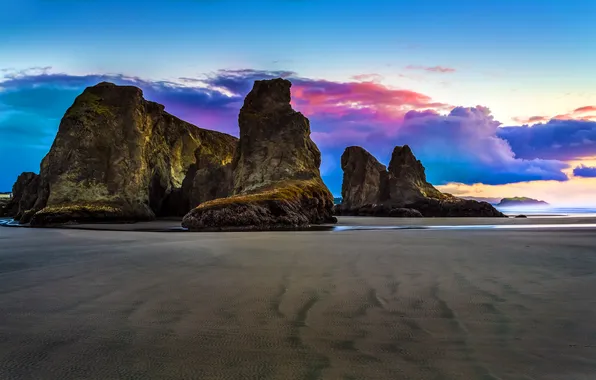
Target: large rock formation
x: 276, y: 179
x: 119, y: 157
x: 402, y: 190
x: 365, y: 178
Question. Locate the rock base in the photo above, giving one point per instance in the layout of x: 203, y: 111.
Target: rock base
x: 87, y: 213
x: 451, y: 207
x: 286, y: 205
x: 378, y: 210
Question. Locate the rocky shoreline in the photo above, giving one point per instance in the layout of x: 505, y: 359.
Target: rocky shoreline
x: 120, y: 158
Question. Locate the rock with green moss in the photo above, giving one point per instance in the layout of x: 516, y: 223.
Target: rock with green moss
x: 281, y: 205
x: 276, y: 178
x: 118, y: 156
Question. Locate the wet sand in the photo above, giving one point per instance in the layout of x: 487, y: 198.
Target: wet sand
x: 349, y: 222
x: 394, y: 304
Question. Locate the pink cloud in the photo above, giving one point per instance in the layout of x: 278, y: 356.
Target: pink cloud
x: 432, y: 69
x: 585, y: 109
x: 373, y: 100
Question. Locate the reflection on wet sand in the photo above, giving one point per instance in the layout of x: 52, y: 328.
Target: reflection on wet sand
x: 414, y: 303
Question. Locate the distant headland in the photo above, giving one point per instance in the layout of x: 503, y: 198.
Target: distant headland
x: 521, y: 201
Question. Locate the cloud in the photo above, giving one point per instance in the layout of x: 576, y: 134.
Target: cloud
x: 359, y: 99
x: 465, y: 145
x: 576, y: 114
x: 31, y: 106
x: 584, y: 171
x: 432, y: 69
x: 585, y: 109
x: 368, y: 77
x: 531, y: 119
x: 578, y: 192
x: 12, y: 73
x: 555, y: 139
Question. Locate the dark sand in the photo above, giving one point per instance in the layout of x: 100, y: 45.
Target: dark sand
x: 393, y: 304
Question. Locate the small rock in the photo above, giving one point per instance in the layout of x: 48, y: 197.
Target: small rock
x: 405, y: 213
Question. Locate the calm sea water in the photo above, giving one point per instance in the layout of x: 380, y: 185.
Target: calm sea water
x: 548, y: 211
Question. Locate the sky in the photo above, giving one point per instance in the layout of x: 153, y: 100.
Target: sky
x: 496, y: 98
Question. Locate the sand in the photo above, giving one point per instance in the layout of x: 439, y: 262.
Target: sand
x: 386, y: 304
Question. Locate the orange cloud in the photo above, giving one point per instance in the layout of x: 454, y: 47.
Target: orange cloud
x: 575, y: 192
x: 531, y: 119
x: 585, y: 109
x: 576, y: 114
x: 556, y: 193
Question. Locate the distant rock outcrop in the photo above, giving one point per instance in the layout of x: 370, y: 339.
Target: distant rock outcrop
x: 521, y: 201
x: 3, y: 203
x: 403, y: 190
x: 24, y: 195
x: 492, y: 200
x: 119, y: 157
x: 276, y: 179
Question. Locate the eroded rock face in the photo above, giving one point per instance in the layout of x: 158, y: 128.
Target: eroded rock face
x: 407, y: 178
x: 119, y: 157
x: 276, y: 179
x: 275, y: 142
x: 401, y: 191
x: 24, y: 195
x: 364, y: 180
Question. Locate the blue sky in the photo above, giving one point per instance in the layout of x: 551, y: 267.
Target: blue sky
x: 319, y: 38
x: 522, y: 59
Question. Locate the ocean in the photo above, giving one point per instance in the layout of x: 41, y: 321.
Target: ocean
x: 548, y: 211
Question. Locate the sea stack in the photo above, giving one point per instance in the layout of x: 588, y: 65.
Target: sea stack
x: 364, y: 180
x: 119, y: 157
x: 276, y: 178
x: 402, y: 190
x: 407, y: 178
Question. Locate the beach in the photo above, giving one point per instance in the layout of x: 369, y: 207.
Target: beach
x: 136, y: 302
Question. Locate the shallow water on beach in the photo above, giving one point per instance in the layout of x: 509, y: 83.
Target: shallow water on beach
x: 148, y: 227
x: 549, y: 211
x: 469, y: 227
